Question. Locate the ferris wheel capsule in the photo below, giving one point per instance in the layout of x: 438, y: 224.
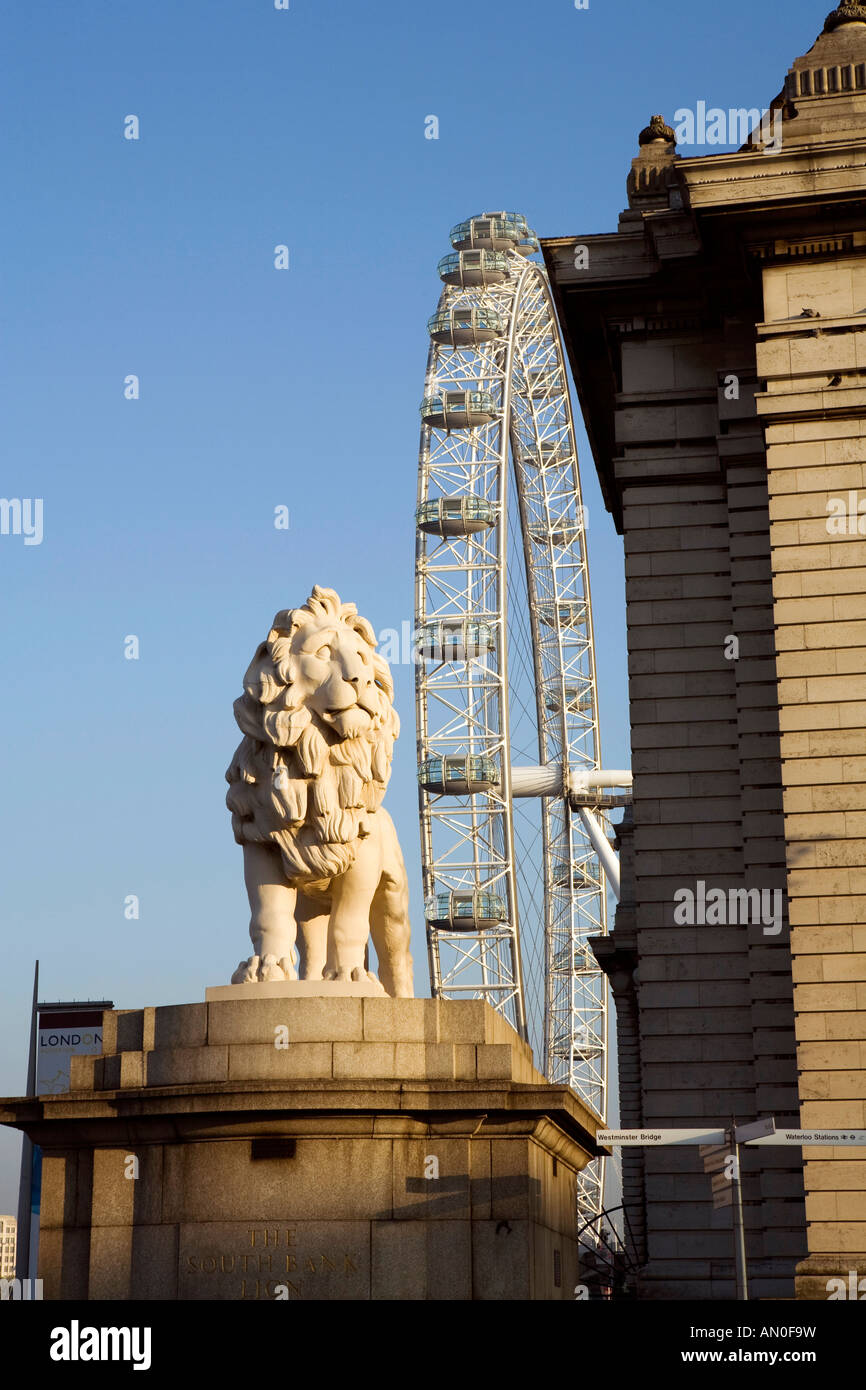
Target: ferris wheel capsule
x: 571, y: 613
x: 542, y: 382
x: 562, y: 533
x: 528, y: 246
x: 456, y: 639
x: 478, y: 908
x: 525, y: 242
x: 575, y: 876
x: 459, y: 774
x: 492, y: 231
x: 465, y: 325
x: 458, y: 410
x: 455, y: 516
x: 578, y: 699
x: 548, y: 453
x: 469, y: 269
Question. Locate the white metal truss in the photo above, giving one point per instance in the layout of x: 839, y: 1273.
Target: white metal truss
x: 506, y: 676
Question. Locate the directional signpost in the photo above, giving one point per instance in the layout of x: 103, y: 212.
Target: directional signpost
x: 758, y: 1129
x: 760, y: 1132
x: 795, y: 1137
x: 648, y: 1138
x: 720, y: 1148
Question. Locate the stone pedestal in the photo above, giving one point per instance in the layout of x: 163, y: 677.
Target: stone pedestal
x: 308, y: 1148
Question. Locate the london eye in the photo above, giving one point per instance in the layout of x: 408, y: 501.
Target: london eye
x: 512, y: 795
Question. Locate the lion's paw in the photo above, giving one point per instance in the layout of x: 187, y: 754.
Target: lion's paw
x: 261, y: 969
x: 247, y: 972
x: 358, y: 975
x: 271, y: 969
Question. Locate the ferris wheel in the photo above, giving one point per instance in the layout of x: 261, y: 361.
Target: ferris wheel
x: 508, y: 736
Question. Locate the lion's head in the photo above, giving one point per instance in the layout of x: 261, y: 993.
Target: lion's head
x: 319, y: 729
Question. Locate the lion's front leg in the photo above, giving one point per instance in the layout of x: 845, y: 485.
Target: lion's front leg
x: 349, y: 927
x: 272, y: 918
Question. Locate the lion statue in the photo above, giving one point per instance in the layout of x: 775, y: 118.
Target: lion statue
x: 322, y: 863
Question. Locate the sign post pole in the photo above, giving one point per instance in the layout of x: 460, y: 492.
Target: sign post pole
x: 25, y: 1183
x: 737, y: 1210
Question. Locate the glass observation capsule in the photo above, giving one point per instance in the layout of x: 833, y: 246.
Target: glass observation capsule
x: 465, y: 326
x: 476, y: 908
x: 470, y: 268
x: 570, y: 614
x: 459, y: 774
x: 526, y: 242
x: 547, y: 455
x: 458, y: 410
x: 455, y: 516
x: 578, y: 699
x: 492, y: 231
x: 568, y: 1041
x: 579, y: 877
x: 577, y: 960
x: 456, y: 639
x: 543, y: 381
x: 563, y: 533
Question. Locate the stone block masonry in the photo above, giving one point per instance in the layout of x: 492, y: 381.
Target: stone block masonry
x: 309, y: 1149
x: 718, y: 344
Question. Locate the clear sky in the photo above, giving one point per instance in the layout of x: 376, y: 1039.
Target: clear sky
x: 258, y: 388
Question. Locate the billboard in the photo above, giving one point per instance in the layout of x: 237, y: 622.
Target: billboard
x: 60, y: 1036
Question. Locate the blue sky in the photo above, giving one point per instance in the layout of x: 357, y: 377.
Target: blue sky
x: 258, y: 388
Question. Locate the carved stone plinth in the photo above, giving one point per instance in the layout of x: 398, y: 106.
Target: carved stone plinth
x: 308, y: 1148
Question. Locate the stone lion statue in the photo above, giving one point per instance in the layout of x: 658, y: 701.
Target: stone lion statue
x: 322, y: 863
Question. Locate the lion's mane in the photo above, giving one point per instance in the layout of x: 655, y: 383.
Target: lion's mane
x: 293, y: 781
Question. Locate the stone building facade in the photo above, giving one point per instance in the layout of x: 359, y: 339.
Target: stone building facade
x: 718, y: 344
